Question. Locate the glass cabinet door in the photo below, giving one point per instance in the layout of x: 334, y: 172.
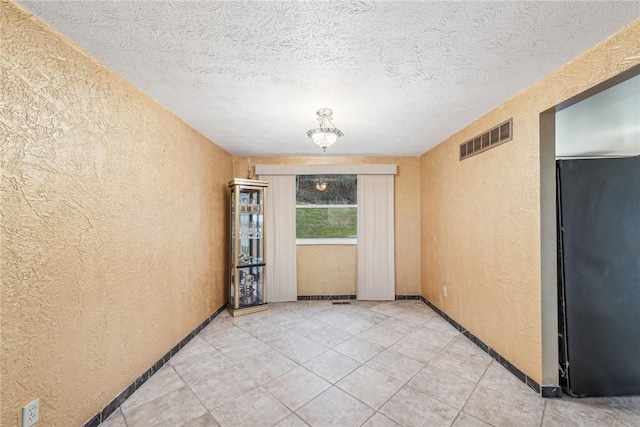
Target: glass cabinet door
x: 251, y: 286
x: 251, y: 230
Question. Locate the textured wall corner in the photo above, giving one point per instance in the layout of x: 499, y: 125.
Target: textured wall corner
x: 113, y: 232
x: 481, y: 218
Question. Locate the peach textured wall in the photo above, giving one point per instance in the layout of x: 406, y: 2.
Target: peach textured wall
x: 481, y: 217
x: 113, y: 227
x: 326, y: 270
x: 407, y: 212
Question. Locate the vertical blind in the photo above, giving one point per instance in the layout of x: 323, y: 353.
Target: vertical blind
x: 376, y: 254
x: 376, y: 244
x: 281, y: 238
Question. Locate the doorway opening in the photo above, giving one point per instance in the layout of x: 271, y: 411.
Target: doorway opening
x: 562, y: 145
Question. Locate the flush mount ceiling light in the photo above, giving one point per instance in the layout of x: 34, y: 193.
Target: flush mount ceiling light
x: 321, y: 185
x: 325, y: 136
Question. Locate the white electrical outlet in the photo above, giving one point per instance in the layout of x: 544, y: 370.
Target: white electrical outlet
x: 444, y: 291
x: 31, y: 413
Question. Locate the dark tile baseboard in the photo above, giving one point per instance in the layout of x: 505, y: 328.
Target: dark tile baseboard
x: 544, y: 391
x: 324, y: 297
x: 551, y: 391
x: 131, y: 388
x: 338, y: 297
x: 408, y: 297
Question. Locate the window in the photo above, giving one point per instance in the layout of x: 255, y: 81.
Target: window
x: 326, y: 208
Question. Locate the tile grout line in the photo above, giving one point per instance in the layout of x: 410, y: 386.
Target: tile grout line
x: 466, y: 402
x: 335, y: 384
x: 365, y: 314
x: 128, y: 391
x: 544, y: 411
x: 406, y: 383
x: 277, y: 376
x: 192, y: 391
x: 186, y: 385
x: 126, y: 424
x: 427, y: 364
x: 614, y: 414
x: 489, y: 350
x: 305, y: 404
x: 202, y: 403
x: 367, y: 420
x: 344, y: 391
x: 298, y: 365
x: 361, y: 365
x: 364, y: 364
x: 282, y: 403
x: 235, y: 365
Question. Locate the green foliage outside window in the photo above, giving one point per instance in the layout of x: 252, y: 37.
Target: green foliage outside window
x: 319, y: 212
x: 313, y: 223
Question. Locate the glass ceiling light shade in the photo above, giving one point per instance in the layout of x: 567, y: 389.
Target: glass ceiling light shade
x: 324, y: 136
x: 321, y: 185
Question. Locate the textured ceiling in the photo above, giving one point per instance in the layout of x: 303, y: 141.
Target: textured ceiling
x: 400, y: 76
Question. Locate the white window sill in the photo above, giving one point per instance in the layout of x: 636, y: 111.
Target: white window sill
x: 328, y: 241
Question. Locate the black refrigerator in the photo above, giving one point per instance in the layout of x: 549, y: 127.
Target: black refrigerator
x: 599, y: 276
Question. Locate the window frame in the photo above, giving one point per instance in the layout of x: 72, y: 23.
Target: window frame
x: 327, y: 240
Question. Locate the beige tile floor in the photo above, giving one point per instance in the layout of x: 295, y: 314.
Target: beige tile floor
x: 365, y: 364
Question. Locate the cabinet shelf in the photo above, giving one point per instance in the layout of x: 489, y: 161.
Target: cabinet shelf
x: 242, y: 265
x: 249, y: 212
x: 247, y: 284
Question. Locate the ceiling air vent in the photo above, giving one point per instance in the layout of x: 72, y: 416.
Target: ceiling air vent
x: 491, y: 138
